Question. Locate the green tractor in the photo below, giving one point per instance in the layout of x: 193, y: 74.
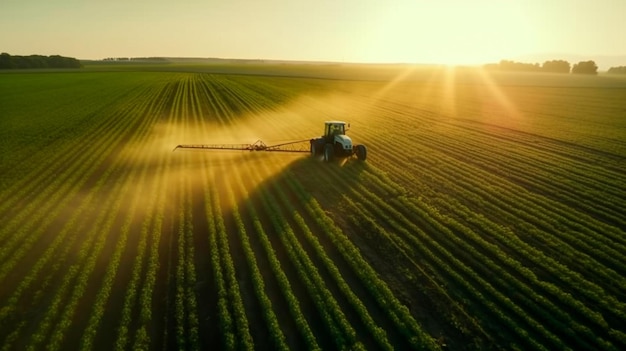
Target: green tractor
x: 336, y: 144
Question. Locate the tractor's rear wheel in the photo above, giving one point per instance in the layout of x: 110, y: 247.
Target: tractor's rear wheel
x: 361, y: 152
x: 328, y: 152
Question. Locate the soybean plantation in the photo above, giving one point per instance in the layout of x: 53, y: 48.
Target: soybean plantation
x: 488, y: 215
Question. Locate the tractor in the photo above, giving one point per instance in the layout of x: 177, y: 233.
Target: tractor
x: 333, y: 144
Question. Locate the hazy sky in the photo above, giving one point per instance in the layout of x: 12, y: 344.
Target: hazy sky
x: 423, y: 31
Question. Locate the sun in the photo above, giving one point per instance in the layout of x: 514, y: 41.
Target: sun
x: 449, y: 32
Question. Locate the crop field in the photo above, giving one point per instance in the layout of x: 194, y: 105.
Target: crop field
x: 488, y: 215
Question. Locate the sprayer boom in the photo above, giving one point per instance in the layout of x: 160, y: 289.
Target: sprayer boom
x: 292, y: 146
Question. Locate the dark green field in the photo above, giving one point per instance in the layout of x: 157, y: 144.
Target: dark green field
x: 488, y: 215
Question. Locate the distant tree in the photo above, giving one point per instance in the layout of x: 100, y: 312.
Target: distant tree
x: 556, y: 66
x: 5, y: 61
x: 585, y: 67
x: 57, y: 61
x: 617, y: 70
x: 149, y: 59
x: 37, y: 61
x: 22, y: 62
x: 507, y: 65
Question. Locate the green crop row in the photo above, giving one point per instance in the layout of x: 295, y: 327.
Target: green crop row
x: 343, y: 334
x: 277, y: 336
x: 398, y: 313
x: 373, y: 329
x: 292, y: 302
x: 232, y: 293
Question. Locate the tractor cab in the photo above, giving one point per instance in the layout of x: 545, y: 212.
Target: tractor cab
x: 333, y: 128
x: 335, y: 133
x: 335, y: 136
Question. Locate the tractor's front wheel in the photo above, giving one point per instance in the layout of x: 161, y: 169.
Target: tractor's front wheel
x: 313, y: 149
x: 328, y: 152
x: 361, y: 152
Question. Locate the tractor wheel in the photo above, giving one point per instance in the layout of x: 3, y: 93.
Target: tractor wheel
x: 328, y: 152
x: 313, y: 149
x: 361, y: 152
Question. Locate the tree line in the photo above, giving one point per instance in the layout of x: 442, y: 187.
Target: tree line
x: 37, y: 61
x: 142, y: 59
x: 552, y: 66
x: 617, y: 70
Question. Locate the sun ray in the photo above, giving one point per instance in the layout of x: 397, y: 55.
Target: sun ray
x: 492, y: 115
x: 402, y: 76
x: 449, y: 91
